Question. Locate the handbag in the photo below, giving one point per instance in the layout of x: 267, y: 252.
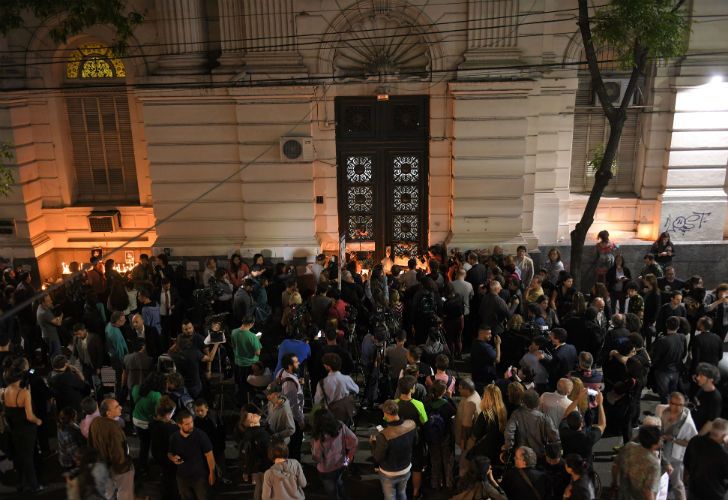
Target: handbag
x: 323, y: 404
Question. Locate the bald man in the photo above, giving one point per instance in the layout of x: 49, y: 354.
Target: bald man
x: 554, y: 404
x: 152, y: 339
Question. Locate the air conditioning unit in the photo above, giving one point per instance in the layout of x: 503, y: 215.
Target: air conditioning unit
x: 616, y: 87
x: 296, y: 149
x: 104, y: 221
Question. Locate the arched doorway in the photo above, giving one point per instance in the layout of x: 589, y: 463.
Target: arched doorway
x: 382, y: 158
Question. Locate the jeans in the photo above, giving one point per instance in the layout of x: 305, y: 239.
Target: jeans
x: 241, y: 380
x: 145, y: 440
x: 442, y: 463
x: 54, y: 347
x: 666, y: 382
x: 119, y: 388
x: 294, y: 446
x: 121, y: 486
x: 394, y: 488
x: 334, y: 484
x: 192, y: 488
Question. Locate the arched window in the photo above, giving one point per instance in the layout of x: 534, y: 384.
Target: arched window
x: 93, y: 60
x: 100, y: 126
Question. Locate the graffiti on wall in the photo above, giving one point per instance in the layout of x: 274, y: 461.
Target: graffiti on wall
x: 685, y: 223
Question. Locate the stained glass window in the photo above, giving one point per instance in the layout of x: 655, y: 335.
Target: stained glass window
x: 93, y: 60
x: 406, y: 169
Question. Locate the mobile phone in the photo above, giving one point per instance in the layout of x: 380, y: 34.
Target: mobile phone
x: 379, y: 428
x: 319, y: 334
x: 591, y: 392
x: 259, y: 334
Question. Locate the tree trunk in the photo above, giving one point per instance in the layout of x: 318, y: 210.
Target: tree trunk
x: 601, y: 179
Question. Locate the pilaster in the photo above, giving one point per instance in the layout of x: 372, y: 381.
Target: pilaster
x: 270, y: 39
x: 490, y: 121
x: 183, y: 34
x: 492, y: 39
x: 232, y: 35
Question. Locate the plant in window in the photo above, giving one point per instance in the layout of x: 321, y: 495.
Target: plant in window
x: 597, y: 157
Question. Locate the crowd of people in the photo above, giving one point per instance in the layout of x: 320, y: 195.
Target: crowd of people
x: 495, y: 378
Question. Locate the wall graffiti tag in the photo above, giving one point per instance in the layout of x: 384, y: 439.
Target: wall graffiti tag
x: 685, y: 223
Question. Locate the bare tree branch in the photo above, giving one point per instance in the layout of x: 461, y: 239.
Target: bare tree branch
x: 591, y: 59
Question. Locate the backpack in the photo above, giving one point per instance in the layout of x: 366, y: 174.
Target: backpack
x: 184, y: 401
x: 435, y: 430
x: 427, y: 305
x: 166, y: 365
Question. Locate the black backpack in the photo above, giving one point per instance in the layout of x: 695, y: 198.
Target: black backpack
x: 427, y: 305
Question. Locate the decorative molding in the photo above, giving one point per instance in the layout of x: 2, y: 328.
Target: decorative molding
x: 386, y: 46
x: 232, y: 35
x: 384, y: 50
x: 492, y: 24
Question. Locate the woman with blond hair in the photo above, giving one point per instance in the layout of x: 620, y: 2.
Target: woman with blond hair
x: 581, y: 397
x: 489, y: 426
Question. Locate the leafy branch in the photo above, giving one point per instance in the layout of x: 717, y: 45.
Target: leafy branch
x: 597, y: 158
x: 75, y: 16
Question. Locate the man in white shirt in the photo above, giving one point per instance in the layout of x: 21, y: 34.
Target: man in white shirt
x: 554, y: 404
x: 409, y: 277
x: 463, y: 289
x: 318, y: 266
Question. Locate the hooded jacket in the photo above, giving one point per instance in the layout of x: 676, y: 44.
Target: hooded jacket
x: 284, y: 481
x: 280, y: 420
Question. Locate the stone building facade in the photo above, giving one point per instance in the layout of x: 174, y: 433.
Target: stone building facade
x: 275, y: 124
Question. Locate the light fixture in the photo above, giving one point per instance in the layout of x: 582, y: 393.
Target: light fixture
x: 716, y: 80
x: 382, y: 93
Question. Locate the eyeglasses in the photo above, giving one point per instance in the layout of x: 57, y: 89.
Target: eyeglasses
x: 672, y: 403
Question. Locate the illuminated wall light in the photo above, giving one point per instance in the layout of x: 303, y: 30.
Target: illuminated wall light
x: 716, y: 80
x: 645, y: 231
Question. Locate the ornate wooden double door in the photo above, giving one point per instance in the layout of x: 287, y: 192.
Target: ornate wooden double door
x: 382, y: 152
